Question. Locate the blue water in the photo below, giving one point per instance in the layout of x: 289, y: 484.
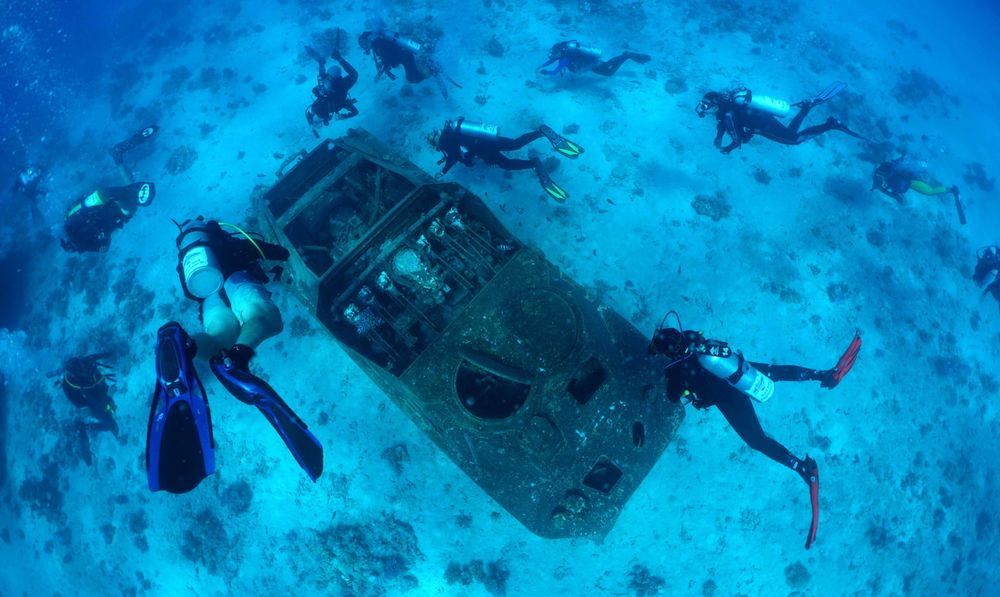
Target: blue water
x: 792, y: 255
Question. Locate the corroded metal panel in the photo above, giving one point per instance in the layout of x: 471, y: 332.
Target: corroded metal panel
x: 544, y: 398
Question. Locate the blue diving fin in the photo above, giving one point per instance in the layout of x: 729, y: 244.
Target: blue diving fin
x: 180, y: 449
x: 232, y: 369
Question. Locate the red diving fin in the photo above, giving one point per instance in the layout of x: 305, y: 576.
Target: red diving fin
x: 844, y: 364
x: 813, y: 472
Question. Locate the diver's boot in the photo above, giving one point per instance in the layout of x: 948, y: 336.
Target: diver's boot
x: 832, y: 377
x: 835, y: 124
x: 809, y: 471
x: 232, y: 368
x: 560, y: 143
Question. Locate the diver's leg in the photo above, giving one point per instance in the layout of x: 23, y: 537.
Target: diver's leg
x: 501, y: 161
x: 925, y: 189
x: 611, y: 66
x: 830, y: 124
x: 793, y: 126
x: 414, y: 74
x: 508, y: 144
x: 790, y: 372
x: 221, y: 328
x: 259, y: 317
x: 738, y: 410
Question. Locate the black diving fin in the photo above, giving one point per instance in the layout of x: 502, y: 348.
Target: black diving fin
x: 811, y: 478
x: 958, y: 205
x: 231, y: 367
x: 137, y: 138
x: 180, y: 449
x: 831, y: 90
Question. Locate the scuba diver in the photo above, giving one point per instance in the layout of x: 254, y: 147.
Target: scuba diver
x: 223, y: 272
x: 711, y: 373
x: 27, y: 182
x: 988, y: 270
x: 84, y: 380
x: 118, y: 151
x: 464, y: 141
x: 331, y: 91
x: 91, y: 219
x: 740, y: 114
x: 575, y: 57
x: 390, y: 50
x: 895, y: 177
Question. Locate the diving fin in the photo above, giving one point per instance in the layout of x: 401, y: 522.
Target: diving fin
x: 833, y: 89
x: 137, y: 138
x: 549, y: 186
x: 180, y: 449
x: 844, y: 365
x: 811, y: 477
x: 958, y: 205
x: 560, y: 143
x: 315, y: 56
x: 232, y: 369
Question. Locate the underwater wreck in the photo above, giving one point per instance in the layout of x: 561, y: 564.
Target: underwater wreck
x: 545, y: 399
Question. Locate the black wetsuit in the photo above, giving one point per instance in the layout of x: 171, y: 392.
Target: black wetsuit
x: 987, y: 267
x: 569, y: 55
x: 86, y: 386
x: 26, y: 184
x: 741, y: 123
x: 893, y: 179
x: 91, y: 219
x: 331, y: 94
x: 708, y: 390
x: 459, y: 147
x: 390, y: 53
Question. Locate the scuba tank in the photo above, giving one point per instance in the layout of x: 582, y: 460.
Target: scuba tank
x: 405, y: 42
x: 591, y: 52
x: 477, y: 130
x: 202, y: 274
x: 718, y: 359
x: 762, y: 103
x: 715, y: 357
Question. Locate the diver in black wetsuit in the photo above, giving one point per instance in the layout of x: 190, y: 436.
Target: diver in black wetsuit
x: 574, y: 57
x: 390, y: 50
x: 331, y: 91
x: 988, y: 270
x: 895, y: 177
x: 85, y: 383
x: 92, y: 218
x: 709, y: 373
x: 464, y: 141
x: 740, y: 116
x: 26, y: 184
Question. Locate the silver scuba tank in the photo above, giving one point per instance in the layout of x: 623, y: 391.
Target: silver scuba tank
x: 202, y: 274
x: 750, y: 381
x: 479, y: 130
x: 589, y: 51
x: 405, y: 42
x: 763, y: 103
